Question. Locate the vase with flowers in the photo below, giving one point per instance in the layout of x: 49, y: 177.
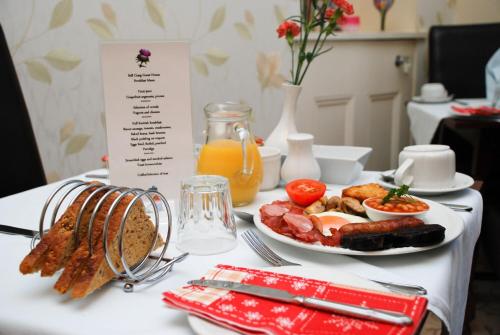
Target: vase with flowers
x: 305, y: 34
x: 383, y: 7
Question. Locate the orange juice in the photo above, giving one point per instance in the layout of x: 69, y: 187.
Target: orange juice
x: 224, y: 157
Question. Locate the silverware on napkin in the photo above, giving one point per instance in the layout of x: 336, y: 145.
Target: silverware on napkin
x: 324, y: 305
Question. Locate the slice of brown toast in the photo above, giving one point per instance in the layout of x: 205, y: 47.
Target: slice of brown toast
x: 363, y: 192
x: 58, y: 255
x: 139, y: 233
x: 57, y: 245
x: 79, y: 258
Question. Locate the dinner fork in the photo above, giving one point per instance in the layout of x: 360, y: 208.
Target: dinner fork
x: 261, y: 249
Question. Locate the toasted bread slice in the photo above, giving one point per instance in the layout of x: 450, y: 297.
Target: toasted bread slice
x: 57, y: 245
x: 138, y: 235
x: 80, y: 257
x: 363, y: 192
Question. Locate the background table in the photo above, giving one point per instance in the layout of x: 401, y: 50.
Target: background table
x: 476, y: 142
x: 30, y: 305
x: 425, y: 118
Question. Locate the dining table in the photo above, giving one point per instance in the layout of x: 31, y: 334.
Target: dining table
x: 29, y: 304
x: 426, y: 117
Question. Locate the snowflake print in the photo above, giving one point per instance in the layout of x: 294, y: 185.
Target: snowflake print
x: 279, y: 309
x: 299, y: 285
x: 364, y: 303
x: 227, y: 308
x: 227, y: 297
x: 321, y: 289
x: 346, y: 324
x: 249, y: 276
x: 302, y: 316
x: 253, y: 316
x: 271, y: 280
x: 285, y: 322
x: 250, y: 302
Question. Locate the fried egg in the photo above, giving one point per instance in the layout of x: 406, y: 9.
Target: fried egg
x: 336, y: 220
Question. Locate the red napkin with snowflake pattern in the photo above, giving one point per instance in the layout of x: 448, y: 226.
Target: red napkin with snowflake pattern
x: 254, y: 315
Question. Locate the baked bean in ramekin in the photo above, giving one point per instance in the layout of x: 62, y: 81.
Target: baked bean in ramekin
x: 394, y: 208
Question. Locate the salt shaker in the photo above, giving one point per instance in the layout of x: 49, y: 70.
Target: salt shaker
x: 300, y: 162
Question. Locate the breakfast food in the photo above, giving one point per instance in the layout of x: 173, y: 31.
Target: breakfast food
x: 293, y: 221
x: 85, y: 272
x: 397, y: 205
x: 363, y: 192
x: 409, y: 236
x: 304, y: 192
x: 287, y: 219
x: 55, y: 248
x: 380, y: 226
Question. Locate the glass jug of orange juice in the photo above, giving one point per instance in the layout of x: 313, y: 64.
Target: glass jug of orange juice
x: 229, y: 150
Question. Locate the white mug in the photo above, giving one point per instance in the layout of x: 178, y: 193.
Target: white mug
x: 426, y: 166
x: 433, y: 91
x: 271, y: 164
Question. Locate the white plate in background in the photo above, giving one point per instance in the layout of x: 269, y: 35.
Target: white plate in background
x: 460, y: 182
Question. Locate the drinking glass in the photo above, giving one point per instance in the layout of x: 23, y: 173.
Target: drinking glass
x: 206, y: 224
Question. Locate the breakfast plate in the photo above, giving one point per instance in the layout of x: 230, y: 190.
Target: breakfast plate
x: 461, y: 182
x: 203, y: 327
x: 437, y: 214
x: 440, y: 100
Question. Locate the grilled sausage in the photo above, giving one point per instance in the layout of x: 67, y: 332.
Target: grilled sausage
x: 380, y: 226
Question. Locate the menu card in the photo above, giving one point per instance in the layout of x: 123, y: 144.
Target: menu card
x: 148, y: 114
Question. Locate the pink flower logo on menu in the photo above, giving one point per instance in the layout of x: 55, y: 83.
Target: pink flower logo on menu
x: 143, y: 57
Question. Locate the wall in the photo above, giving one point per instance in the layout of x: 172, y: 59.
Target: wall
x: 55, y: 46
x: 235, y: 56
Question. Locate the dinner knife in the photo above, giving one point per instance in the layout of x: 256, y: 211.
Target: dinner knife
x: 17, y: 231
x: 324, y: 305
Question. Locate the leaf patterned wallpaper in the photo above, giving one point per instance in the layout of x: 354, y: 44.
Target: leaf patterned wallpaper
x: 55, y: 46
x: 235, y: 55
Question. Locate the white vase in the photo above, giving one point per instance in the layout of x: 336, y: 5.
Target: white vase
x: 286, y: 124
x: 300, y: 162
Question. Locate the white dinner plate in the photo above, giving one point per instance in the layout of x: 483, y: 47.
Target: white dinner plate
x: 460, y: 182
x: 421, y: 100
x: 437, y: 214
x: 203, y: 327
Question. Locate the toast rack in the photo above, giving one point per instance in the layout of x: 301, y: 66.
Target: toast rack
x: 148, y: 270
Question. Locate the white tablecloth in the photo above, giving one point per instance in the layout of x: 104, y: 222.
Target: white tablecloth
x: 29, y: 305
x: 425, y: 118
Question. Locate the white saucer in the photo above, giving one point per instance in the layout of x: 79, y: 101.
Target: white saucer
x: 461, y: 182
x: 421, y: 100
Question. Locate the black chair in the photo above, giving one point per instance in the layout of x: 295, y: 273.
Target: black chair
x: 21, y: 167
x: 458, y: 56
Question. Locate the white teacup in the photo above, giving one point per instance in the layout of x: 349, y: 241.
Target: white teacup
x: 271, y: 164
x: 426, y: 166
x: 433, y: 91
